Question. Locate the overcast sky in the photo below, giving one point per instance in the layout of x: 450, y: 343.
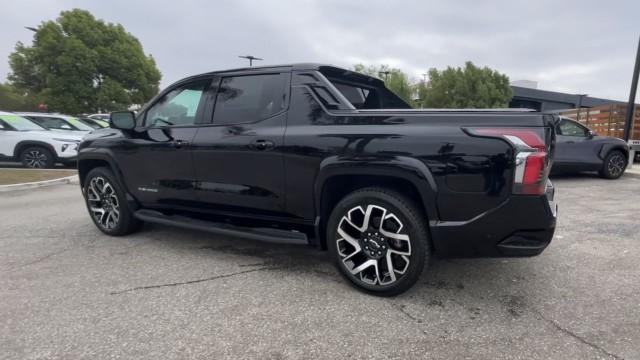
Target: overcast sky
x: 574, y: 46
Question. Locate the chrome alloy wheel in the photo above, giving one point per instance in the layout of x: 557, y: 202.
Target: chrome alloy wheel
x: 616, y: 165
x: 103, y: 203
x: 372, y: 246
x: 35, y: 159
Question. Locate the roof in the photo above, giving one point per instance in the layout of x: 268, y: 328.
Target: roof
x: 26, y: 113
x: 553, y: 96
x: 294, y: 66
x: 281, y: 67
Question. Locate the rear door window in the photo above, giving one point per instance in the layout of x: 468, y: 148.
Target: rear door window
x: 251, y: 98
x: 52, y: 123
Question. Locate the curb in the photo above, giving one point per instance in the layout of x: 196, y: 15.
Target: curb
x: 38, y: 184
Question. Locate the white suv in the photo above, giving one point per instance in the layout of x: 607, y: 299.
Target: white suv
x: 35, y: 146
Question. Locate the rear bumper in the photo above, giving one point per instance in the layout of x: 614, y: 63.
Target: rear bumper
x: 520, y: 226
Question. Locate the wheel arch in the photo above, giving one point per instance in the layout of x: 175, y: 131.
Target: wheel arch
x: 338, y: 177
x: 86, y: 163
x: 20, y: 146
x: 608, y: 148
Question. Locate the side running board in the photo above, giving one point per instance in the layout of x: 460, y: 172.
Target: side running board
x: 261, y: 234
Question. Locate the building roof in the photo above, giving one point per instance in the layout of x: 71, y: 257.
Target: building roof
x: 553, y: 96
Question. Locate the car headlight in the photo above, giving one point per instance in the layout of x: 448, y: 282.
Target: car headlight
x: 72, y: 146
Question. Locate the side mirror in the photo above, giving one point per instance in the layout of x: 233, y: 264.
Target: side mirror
x: 123, y: 120
x: 592, y: 134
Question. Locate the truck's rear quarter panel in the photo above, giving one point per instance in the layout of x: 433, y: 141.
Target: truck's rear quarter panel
x: 473, y: 175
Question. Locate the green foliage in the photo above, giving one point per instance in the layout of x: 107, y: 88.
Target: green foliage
x: 468, y: 87
x: 81, y: 64
x: 394, y: 79
x: 12, y: 100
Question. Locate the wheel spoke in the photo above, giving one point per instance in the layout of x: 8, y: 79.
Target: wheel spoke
x: 359, y: 270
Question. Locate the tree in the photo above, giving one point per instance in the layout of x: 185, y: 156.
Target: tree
x: 81, y: 64
x: 394, y: 79
x: 12, y: 100
x: 468, y: 87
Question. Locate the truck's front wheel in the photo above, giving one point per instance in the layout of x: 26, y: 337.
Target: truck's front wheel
x: 107, y: 203
x: 378, y: 240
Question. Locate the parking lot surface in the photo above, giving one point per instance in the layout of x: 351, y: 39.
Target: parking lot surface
x: 68, y: 291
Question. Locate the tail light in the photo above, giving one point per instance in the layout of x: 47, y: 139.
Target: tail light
x: 531, y: 156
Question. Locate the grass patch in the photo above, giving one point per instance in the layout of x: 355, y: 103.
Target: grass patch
x: 17, y: 176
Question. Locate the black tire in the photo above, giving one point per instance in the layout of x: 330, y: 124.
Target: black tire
x: 614, y: 165
x: 412, y: 224
x: 37, y: 157
x: 125, y: 223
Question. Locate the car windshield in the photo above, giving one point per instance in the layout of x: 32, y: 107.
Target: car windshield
x: 102, y: 123
x: 19, y: 123
x: 78, y: 124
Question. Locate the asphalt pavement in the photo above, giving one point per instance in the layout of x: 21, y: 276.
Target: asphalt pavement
x: 69, y: 292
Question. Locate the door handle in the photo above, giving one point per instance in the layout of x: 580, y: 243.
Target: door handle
x: 262, y: 144
x: 570, y: 142
x: 178, y: 143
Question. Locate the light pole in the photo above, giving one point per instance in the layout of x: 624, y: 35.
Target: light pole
x: 250, y: 58
x: 580, y: 96
x: 632, y: 96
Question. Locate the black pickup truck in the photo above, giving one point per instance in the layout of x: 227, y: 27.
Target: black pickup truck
x: 309, y: 153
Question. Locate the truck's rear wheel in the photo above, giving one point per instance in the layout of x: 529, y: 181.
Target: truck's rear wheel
x: 378, y: 240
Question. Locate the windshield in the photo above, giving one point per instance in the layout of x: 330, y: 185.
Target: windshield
x: 78, y: 124
x: 19, y: 123
x: 102, y: 123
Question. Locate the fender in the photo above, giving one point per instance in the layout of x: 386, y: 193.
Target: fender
x: 402, y: 167
x: 105, y: 155
x: 607, y: 147
x: 23, y: 143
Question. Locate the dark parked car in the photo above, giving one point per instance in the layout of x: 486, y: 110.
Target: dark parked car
x: 317, y: 154
x: 580, y: 149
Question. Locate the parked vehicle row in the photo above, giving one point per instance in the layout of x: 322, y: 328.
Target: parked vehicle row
x: 52, y: 138
x: 35, y: 146
x: 57, y: 121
